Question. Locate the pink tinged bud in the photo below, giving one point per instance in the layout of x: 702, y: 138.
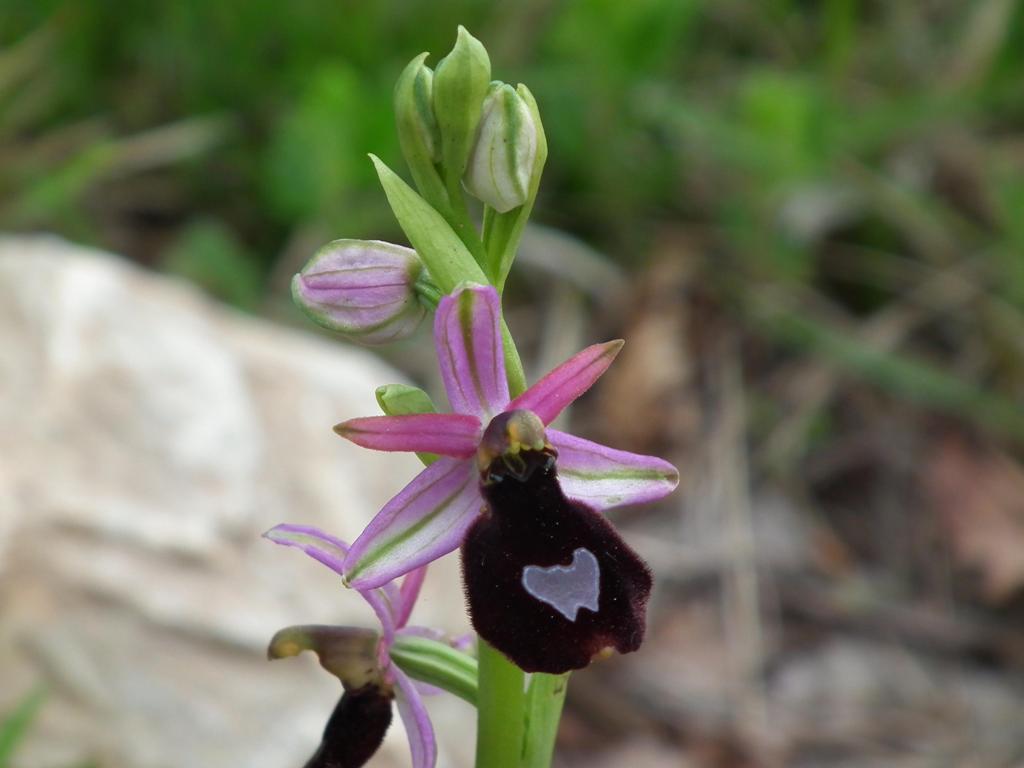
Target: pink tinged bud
x: 503, y: 155
x: 363, y: 289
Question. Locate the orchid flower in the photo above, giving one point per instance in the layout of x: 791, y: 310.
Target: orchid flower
x: 549, y: 583
x: 361, y: 659
x: 434, y: 513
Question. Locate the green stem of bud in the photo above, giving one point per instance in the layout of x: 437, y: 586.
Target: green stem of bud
x: 458, y: 217
x: 427, y: 292
x: 438, y: 664
x: 513, y: 363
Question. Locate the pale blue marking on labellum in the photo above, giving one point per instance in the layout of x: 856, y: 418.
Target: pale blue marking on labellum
x: 566, y: 588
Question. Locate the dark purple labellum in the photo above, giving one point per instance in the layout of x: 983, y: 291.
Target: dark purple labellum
x: 356, y: 729
x: 550, y: 583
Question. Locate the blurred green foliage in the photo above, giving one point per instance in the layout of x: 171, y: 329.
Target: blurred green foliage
x: 846, y: 150
x: 14, y: 726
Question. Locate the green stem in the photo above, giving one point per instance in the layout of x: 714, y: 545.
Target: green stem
x: 500, y: 704
x: 544, y: 702
x: 513, y: 363
x: 458, y: 218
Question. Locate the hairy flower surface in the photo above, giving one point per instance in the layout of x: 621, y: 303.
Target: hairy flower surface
x: 361, y: 659
x: 432, y: 515
x: 549, y: 581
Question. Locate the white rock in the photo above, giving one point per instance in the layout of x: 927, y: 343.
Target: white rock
x: 148, y: 438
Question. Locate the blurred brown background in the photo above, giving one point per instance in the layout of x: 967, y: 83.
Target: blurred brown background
x: 805, y: 218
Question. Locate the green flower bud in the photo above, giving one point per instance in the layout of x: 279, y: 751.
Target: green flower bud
x: 460, y: 84
x: 418, y: 134
x: 414, y: 109
x: 501, y: 162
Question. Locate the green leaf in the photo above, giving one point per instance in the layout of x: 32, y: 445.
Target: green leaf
x: 14, y: 727
x: 446, y: 256
x: 438, y: 664
x: 330, y: 113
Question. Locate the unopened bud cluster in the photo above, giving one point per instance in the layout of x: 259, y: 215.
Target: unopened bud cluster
x: 458, y: 131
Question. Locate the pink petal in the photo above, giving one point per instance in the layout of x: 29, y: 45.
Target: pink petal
x: 385, y: 614
x: 467, y: 333
x: 427, y: 519
x: 327, y: 549
x: 332, y: 551
x: 603, y: 477
x: 410, y: 590
x: 422, y: 744
x: 549, y: 396
x: 447, y: 434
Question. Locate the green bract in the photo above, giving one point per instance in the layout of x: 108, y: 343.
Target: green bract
x: 445, y: 255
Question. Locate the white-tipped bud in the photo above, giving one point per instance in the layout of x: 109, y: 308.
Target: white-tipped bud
x: 502, y: 159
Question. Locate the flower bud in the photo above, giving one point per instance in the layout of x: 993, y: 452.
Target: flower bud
x: 501, y: 162
x: 414, y: 110
x: 364, y: 289
x: 418, y: 134
x: 460, y: 84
